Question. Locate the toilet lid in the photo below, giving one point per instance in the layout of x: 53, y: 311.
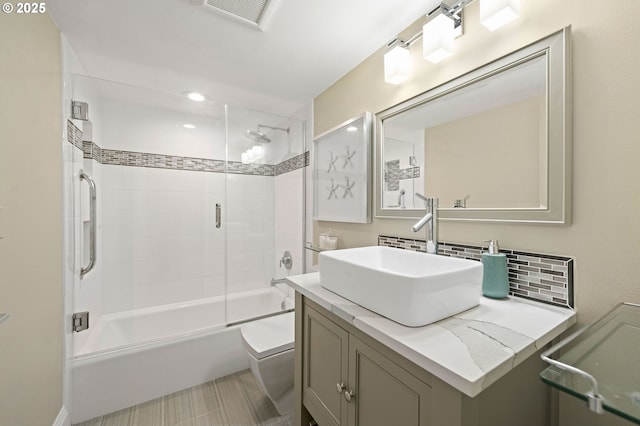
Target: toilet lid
x: 269, y: 336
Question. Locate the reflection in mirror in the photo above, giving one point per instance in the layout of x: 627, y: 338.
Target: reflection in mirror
x: 491, y: 145
x: 463, y: 160
x: 403, y: 172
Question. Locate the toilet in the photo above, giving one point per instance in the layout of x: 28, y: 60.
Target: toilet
x: 269, y: 344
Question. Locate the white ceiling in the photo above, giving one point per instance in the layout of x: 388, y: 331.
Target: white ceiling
x: 175, y: 46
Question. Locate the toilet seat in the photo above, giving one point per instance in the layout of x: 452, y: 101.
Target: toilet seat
x: 269, y: 336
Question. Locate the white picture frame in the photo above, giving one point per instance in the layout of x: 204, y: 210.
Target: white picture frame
x: 342, y: 172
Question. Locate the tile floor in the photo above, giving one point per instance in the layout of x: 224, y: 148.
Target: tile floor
x: 234, y: 400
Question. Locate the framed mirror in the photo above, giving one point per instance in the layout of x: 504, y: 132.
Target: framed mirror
x: 492, y: 145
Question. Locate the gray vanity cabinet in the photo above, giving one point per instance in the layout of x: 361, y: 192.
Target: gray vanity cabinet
x: 326, y: 368
x: 347, y: 382
x: 334, y: 359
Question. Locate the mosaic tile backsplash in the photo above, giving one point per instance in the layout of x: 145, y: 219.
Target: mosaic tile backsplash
x: 160, y: 161
x: 542, y: 277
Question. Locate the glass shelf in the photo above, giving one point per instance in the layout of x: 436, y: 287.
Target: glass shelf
x: 3, y: 317
x: 602, y: 366
x: 310, y: 246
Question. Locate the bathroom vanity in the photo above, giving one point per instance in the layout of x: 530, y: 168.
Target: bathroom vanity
x: 480, y: 367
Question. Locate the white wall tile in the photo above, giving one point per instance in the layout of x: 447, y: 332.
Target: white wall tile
x: 160, y: 244
x: 170, y: 292
x: 213, y: 285
x: 113, y: 177
x: 126, y: 297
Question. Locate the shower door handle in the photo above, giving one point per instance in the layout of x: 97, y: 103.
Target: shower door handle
x: 218, y: 216
x: 92, y: 225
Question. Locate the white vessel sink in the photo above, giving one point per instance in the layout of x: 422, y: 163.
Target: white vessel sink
x: 408, y: 287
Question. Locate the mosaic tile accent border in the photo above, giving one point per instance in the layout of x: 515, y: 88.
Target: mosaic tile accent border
x: 541, y: 277
x: 92, y: 151
x: 74, y: 135
x: 391, y: 175
x: 236, y: 167
x: 160, y: 161
x: 295, y: 163
x: 394, y: 174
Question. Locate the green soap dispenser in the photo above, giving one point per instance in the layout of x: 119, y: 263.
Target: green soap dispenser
x: 495, y: 280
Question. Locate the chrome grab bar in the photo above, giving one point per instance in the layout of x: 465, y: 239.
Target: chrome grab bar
x: 218, y: 216
x: 92, y: 224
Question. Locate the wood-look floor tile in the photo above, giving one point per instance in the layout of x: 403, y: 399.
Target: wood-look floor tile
x: 286, y: 420
x: 235, y: 404
x: 230, y: 395
x: 234, y: 400
x: 93, y: 422
x: 178, y: 408
x: 204, y: 399
x: 212, y: 418
x: 150, y: 413
x: 119, y: 418
x: 254, y: 398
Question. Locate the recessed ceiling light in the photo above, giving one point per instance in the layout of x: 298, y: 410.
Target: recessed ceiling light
x: 195, y: 96
x: 188, y: 126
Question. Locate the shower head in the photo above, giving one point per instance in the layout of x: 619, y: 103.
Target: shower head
x: 257, y: 136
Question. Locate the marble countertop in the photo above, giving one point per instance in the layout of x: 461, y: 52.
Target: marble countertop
x: 469, y: 351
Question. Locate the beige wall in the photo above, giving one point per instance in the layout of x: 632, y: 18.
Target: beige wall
x: 502, y: 170
x: 30, y: 192
x: 605, y: 234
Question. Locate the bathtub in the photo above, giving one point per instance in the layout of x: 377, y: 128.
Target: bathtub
x: 135, y: 356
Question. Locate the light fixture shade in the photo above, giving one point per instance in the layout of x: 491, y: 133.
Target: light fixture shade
x: 437, y: 38
x: 195, y: 96
x: 496, y: 13
x: 397, y: 64
x: 257, y: 152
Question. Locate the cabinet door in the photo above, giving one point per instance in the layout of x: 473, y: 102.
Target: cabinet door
x: 384, y: 393
x: 325, y: 358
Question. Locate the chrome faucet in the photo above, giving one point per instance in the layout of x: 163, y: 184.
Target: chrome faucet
x: 431, y: 220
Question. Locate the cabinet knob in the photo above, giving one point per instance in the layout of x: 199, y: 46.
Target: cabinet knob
x: 349, y: 395
x: 340, y: 387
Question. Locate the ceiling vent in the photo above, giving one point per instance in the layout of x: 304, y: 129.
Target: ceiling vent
x: 254, y: 13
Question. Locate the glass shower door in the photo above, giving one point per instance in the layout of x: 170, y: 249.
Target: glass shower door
x: 158, y: 164
x: 265, y: 211
x: 199, y: 213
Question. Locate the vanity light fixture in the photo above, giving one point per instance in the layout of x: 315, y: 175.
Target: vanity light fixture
x: 439, y: 32
x: 397, y: 62
x: 496, y: 13
x: 443, y: 26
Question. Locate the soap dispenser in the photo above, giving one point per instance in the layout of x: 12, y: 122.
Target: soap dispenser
x: 495, y: 281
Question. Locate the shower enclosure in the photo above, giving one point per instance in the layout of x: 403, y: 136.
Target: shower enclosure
x: 179, y: 212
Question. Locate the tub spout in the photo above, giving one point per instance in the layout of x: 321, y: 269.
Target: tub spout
x: 275, y: 281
